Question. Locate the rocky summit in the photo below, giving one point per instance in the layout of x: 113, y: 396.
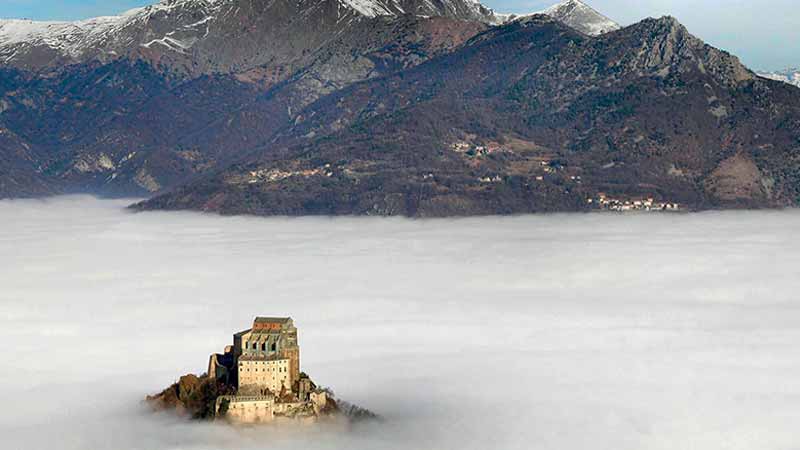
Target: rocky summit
x: 389, y: 108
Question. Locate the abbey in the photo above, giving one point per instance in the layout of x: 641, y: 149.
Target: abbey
x: 263, y: 365
x: 267, y: 357
x: 257, y: 380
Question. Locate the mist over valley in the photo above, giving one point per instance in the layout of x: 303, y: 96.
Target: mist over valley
x: 552, y: 331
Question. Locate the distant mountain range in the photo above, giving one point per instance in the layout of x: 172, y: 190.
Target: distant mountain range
x: 415, y: 108
x: 210, y: 36
x: 791, y: 76
x: 195, y: 37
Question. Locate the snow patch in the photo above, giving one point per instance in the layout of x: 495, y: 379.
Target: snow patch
x: 113, y: 35
x: 791, y: 76
x: 74, y: 39
x: 575, y: 14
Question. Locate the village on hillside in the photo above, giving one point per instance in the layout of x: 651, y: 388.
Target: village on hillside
x: 649, y: 204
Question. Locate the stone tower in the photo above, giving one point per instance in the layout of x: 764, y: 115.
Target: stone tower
x: 267, y: 357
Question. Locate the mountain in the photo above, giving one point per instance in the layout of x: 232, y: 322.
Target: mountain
x: 581, y: 17
x: 576, y: 15
x: 196, y: 37
x: 124, y: 127
x: 791, y: 76
x: 141, y: 102
x: 344, y: 107
x: 530, y: 116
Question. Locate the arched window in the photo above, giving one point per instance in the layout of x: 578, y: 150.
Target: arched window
x: 274, y: 346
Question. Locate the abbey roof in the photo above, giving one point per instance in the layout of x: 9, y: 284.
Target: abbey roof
x: 272, y: 319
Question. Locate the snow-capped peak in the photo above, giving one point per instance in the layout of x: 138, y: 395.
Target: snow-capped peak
x: 791, y: 76
x: 582, y: 17
x: 182, y: 26
x: 575, y: 14
x: 173, y: 23
x: 99, y: 34
x: 461, y: 9
x: 74, y: 38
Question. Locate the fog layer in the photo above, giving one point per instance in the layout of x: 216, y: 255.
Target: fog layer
x: 545, y: 332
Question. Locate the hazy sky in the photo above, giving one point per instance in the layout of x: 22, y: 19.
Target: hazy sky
x: 553, y: 332
x: 764, y: 33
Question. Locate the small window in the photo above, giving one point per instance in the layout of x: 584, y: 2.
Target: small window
x: 274, y: 346
x: 264, y: 347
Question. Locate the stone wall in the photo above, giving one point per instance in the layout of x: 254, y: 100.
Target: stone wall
x: 247, y: 409
x: 293, y: 355
x: 260, y: 374
x: 257, y: 409
x: 220, y: 365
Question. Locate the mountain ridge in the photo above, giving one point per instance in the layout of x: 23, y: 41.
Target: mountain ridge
x: 198, y: 37
x: 402, y: 114
x: 544, y: 119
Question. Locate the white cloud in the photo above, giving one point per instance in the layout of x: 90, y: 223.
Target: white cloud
x: 547, y: 332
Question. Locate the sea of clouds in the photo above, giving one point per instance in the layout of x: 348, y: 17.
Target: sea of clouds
x: 542, y: 332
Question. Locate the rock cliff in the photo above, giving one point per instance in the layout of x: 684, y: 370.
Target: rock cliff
x: 203, y: 398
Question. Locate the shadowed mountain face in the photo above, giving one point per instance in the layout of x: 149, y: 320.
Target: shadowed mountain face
x: 381, y: 113
x: 532, y: 116
x: 124, y: 128
x: 19, y: 169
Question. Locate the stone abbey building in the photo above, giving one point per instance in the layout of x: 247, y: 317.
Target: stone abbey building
x: 267, y: 356
x: 263, y: 364
x: 263, y: 359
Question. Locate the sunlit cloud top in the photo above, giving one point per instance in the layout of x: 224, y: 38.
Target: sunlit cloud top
x: 554, y: 332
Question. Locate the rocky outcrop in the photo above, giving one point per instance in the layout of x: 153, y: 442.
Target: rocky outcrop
x: 738, y: 179
x: 204, y: 398
x: 664, y: 46
x: 192, y: 396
